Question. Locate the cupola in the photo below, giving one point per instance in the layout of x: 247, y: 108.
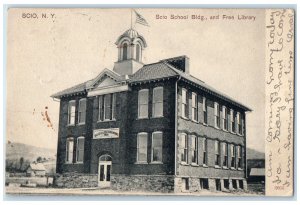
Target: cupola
x: 130, y: 52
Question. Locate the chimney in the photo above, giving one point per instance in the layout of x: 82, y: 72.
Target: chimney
x: 181, y: 63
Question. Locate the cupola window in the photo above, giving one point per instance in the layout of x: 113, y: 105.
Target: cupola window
x: 138, y: 52
x: 125, y: 47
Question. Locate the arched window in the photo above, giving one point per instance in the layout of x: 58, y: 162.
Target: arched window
x: 138, y: 48
x: 125, y: 51
x: 105, y: 157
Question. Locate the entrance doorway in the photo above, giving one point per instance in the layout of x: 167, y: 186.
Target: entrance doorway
x: 104, y: 171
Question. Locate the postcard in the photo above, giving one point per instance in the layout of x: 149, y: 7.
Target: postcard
x: 150, y: 101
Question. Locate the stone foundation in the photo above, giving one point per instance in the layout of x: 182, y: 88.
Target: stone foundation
x: 195, y: 186
x: 153, y: 183
x: 75, y: 180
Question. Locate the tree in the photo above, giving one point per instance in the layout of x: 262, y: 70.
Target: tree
x: 21, y: 163
x: 39, y: 159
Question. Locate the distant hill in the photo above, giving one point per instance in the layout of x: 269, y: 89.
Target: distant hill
x: 253, y: 154
x: 28, y: 152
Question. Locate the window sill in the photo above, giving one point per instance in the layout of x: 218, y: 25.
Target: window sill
x: 205, y: 124
x: 185, y: 118
x: 78, y: 163
x: 141, y: 163
x: 225, y: 130
x: 194, y: 165
x: 156, y: 117
x: 106, y: 121
x: 68, y: 162
x: 232, y: 132
x: 225, y: 167
x: 205, y: 166
x: 184, y: 163
x: 71, y: 125
x: 142, y: 118
x: 217, y: 167
x: 232, y: 168
x: 82, y: 123
x: 155, y: 163
x: 240, y: 169
x: 196, y: 121
x: 217, y: 128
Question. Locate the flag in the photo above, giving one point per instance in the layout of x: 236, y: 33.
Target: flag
x: 140, y: 19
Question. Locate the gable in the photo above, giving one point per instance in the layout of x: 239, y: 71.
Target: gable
x: 107, y: 81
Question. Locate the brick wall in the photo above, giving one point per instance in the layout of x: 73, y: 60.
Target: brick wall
x: 149, y: 125
x: 75, y: 131
x: 115, y: 147
x: 201, y: 131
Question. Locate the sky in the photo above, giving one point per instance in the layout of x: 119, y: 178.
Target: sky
x: 47, y: 55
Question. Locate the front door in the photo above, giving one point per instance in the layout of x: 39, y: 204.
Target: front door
x: 104, y: 172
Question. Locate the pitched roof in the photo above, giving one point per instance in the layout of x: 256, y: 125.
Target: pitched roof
x: 81, y: 88
x: 154, y: 71
x: 163, y: 69
x: 257, y: 172
x: 37, y: 166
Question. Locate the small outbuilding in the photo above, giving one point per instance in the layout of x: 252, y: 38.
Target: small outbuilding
x: 36, y: 169
x: 257, y: 175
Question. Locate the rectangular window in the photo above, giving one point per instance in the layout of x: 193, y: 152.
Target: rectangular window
x: 69, y: 150
x: 239, y: 122
x: 232, y: 152
x: 204, y: 151
x: 107, y: 106
x: 241, y: 184
x: 81, y: 111
x: 194, y: 149
x: 157, y: 146
x: 225, y: 155
x: 194, y: 107
x: 217, y: 115
x: 71, y: 112
x: 225, y: 118
x: 239, y: 156
x: 80, y: 149
x: 142, y: 142
x: 143, y: 100
x: 183, y: 147
x: 186, y: 183
x: 101, y: 108
x: 218, y: 184
x: 226, y: 183
x: 234, y: 184
x: 217, y: 153
x: 114, y: 106
x: 204, y: 110
x: 204, y: 183
x: 232, y: 120
x: 158, y: 99
x: 184, y: 103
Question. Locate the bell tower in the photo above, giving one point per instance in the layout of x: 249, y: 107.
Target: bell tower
x: 130, y: 52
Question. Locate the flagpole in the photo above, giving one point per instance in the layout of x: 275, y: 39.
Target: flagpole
x: 131, y: 19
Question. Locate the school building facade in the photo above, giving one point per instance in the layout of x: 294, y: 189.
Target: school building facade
x: 150, y: 127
